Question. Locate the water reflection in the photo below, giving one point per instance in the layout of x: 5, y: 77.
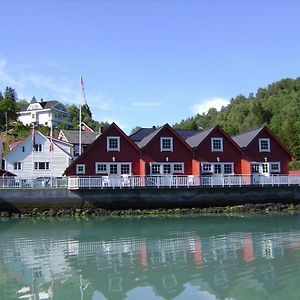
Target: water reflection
x: 151, y: 258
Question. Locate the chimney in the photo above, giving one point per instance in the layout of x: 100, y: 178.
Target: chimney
x: 101, y: 129
x: 55, y: 132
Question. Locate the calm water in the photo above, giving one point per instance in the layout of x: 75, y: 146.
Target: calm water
x: 255, y: 257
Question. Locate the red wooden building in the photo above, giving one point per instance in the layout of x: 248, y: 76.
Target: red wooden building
x: 215, y: 153
x: 166, y: 152
x: 112, y: 153
x: 263, y: 153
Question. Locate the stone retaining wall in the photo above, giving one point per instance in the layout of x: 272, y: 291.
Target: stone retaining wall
x: 115, y: 199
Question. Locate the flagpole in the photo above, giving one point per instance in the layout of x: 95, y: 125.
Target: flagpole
x: 80, y: 116
x: 51, y: 150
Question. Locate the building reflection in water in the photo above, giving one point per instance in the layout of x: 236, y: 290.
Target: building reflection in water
x: 82, y: 263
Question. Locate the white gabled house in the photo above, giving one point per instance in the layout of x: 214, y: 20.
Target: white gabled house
x: 48, y: 113
x: 36, y: 156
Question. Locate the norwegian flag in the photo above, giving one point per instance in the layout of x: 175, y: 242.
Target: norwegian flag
x: 82, y: 90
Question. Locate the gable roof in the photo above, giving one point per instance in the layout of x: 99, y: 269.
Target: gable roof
x: 242, y: 141
x: 98, y: 139
x: 23, y: 141
x: 87, y: 137
x: 197, y: 138
x: 45, y: 105
x: 141, y: 133
x: 30, y: 137
x: 185, y: 134
x: 15, y: 144
x: 148, y: 139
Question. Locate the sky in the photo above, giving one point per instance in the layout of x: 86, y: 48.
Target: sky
x: 147, y: 63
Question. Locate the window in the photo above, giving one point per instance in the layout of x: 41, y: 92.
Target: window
x: 275, y: 167
x: 228, y: 169
x: 264, y: 145
x: 206, y: 168
x: 167, y: 169
x: 217, y: 168
x: 217, y: 144
x: 125, y: 168
x: 265, y: 168
x: 113, y: 143
x: 101, y: 168
x: 17, y: 166
x: 166, y: 144
x: 178, y: 168
x: 41, y: 166
x: 33, y: 115
x: 113, y: 169
x: 80, y: 169
x: 37, y: 147
x: 23, y: 148
x: 255, y: 168
x: 155, y: 169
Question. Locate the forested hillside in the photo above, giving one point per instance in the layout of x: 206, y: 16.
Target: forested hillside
x: 277, y: 105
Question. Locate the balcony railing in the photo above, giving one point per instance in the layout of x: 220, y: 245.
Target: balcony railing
x: 163, y: 181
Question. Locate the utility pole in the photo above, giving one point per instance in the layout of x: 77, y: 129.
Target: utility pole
x: 6, y: 123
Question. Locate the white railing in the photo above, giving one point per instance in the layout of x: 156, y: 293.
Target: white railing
x: 161, y: 181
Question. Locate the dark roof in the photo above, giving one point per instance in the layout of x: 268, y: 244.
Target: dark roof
x: 140, y: 134
x: 45, y: 105
x: 6, y: 173
x: 143, y: 132
x: 187, y: 133
x: 244, y: 139
x: 87, y: 137
x: 197, y: 138
x: 148, y: 138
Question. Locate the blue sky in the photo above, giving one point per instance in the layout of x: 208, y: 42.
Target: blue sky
x: 147, y: 62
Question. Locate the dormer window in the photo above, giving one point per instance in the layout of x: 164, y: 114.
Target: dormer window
x: 113, y: 143
x: 80, y: 169
x: 217, y: 144
x: 166, y: 144
x: 264, y: 145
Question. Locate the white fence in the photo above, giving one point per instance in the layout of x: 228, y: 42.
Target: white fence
x: 126, y: 181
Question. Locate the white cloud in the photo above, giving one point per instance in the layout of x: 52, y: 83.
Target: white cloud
x: 205, y: 105
x: 146, y: 104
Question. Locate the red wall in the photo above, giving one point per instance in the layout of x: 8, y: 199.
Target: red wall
x: 181, y: 152
x: 97, y: 152
x: 277, y: 154
x: 230, y: 152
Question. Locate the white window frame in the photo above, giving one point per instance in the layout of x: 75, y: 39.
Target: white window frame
x: 80, y: 166
x: 203, y: 171
x: 39, y: 147
x: 164, y: 149
x: 264, y: 140
x: 275, y: 163
x: 212, y: 144
x: 100, y: 171
x: 108, y: 164
x: 161, y: 168
x: 109, y: 149
x: 36, y: 165
x: 212, y: 168
x: 18, y: 165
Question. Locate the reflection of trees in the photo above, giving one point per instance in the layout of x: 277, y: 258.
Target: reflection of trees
x: 74, y: 262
